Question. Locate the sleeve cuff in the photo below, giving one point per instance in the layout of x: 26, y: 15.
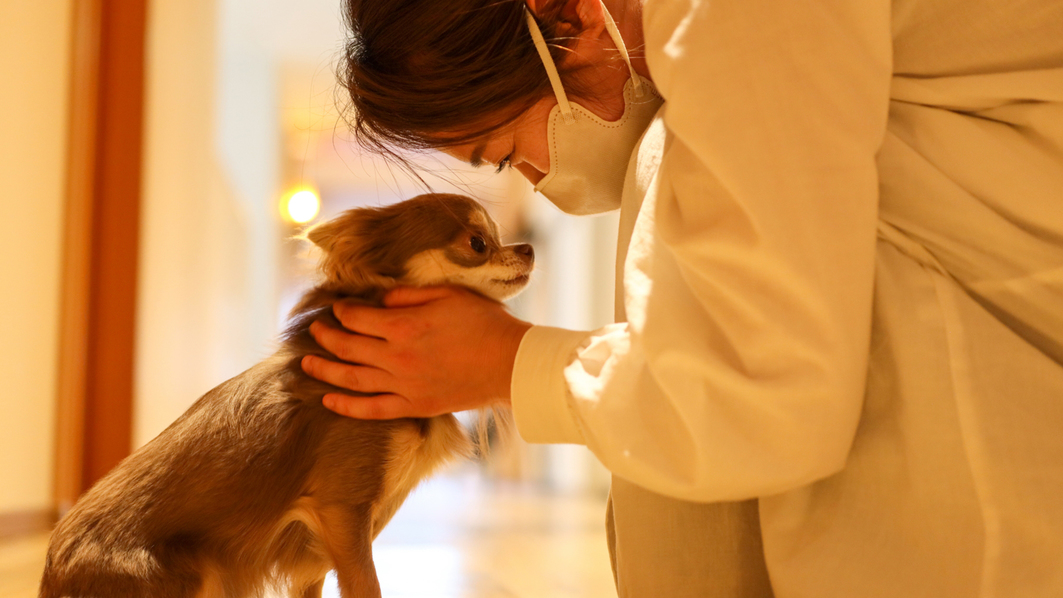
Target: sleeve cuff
x: 539, y: 392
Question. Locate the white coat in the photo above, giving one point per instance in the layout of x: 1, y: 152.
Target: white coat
x: 841, y: 266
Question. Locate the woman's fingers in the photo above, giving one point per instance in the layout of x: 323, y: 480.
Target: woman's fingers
x: 355, y: 348
x: 408, y: 296
x: 358, y: 378
x: 363, y: 319
x: 376, y: 407
x: 388, y: 323
x: 433, y: 350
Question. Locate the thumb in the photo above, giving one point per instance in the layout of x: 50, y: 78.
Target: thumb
x: 410, y: 296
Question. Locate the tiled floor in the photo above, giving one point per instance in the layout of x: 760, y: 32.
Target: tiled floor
x: 462, y: 537
x: 458, y: 536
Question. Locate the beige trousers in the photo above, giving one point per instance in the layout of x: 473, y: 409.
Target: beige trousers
x: 664, y: 547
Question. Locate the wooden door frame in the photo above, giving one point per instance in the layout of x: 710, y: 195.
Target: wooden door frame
x: 94, y: 415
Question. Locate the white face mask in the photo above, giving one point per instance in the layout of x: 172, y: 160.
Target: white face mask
x: 589, y: 156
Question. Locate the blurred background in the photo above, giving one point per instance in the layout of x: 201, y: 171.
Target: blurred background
x: 157, y: 158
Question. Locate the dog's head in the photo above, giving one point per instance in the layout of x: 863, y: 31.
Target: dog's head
x: 428, y: 240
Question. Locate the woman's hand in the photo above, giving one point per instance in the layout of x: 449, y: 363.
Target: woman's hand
x: 429, y: 351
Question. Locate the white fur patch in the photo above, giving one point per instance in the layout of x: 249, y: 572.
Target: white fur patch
x: 502, y: 277
x: 431, y: 268
x: 413, y: 457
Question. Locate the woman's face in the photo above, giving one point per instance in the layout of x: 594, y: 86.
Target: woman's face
x: 521, y: 144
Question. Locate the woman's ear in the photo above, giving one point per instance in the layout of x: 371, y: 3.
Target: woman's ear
x: 588, y: 13
x: 578, y: 19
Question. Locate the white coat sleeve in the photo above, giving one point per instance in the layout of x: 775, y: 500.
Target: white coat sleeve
x: 741, y: 369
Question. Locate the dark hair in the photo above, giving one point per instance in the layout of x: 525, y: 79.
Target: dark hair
x: 424, y: 74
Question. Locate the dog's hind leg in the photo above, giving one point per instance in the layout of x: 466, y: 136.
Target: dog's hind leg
x: 347, y: 535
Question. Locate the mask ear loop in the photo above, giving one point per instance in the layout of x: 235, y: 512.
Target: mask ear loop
x: 551, y: 69
x: 614, y: 32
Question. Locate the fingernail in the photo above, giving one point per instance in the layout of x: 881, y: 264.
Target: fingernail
x: 328, y: 402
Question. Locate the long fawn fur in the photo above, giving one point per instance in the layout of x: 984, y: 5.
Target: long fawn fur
x: 257, y: 485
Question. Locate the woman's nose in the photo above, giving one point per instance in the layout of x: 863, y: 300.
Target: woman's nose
x: 531, y: 173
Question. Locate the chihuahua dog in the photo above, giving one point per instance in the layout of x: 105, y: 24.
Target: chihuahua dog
x: 258, y: 486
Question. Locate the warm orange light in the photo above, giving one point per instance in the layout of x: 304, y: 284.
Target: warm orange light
x: 303, y: 206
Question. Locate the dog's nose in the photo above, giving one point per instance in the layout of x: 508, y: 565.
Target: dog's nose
x: 525, y: 249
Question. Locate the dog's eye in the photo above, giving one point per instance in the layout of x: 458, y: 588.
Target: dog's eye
x: 478, y: 245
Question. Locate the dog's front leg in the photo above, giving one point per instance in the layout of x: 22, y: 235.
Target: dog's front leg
x: 347, y: 535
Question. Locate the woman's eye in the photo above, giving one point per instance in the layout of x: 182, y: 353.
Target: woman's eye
x: 503, y: 164
x: 478, y: 245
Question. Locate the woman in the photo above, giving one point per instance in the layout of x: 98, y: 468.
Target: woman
x: 841, y: 278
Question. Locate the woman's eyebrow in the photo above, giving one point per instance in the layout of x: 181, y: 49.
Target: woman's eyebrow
x: 476, y: 158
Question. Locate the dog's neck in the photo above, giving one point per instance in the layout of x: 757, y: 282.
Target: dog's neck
x: 297, y: 342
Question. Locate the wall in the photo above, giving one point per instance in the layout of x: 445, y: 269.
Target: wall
x: 573, y: 288
x: 207, y: 298
x: 34, y: 74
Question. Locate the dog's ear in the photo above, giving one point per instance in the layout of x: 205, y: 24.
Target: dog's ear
x: 345, y: 260
x: 325, y: 235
